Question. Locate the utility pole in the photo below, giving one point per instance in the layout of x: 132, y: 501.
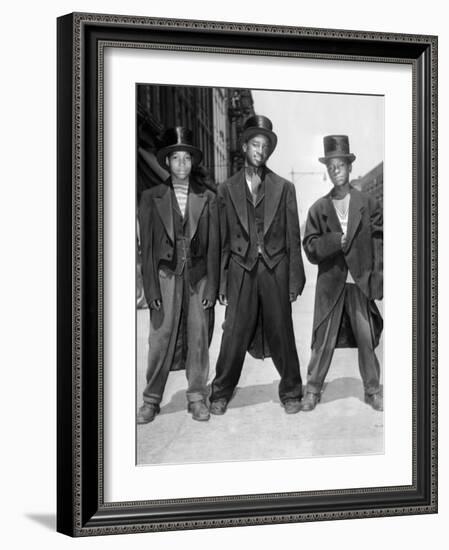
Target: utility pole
x: 294, y: 173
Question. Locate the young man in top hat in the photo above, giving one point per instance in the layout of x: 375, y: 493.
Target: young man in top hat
x: 261, y: 268
x: 180, y: 267
x: 344, y: 237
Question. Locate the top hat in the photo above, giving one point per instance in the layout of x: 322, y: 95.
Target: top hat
x: 259, y: 125
x: 336, y: 147
x: 178, y: 138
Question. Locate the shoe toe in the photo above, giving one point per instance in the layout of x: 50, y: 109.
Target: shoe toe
x: 218, y: 407
x: 375, y: 401
x: 199, y: 411
x: 309, y: 402
x: 147, y: 413
x: 292, y: 406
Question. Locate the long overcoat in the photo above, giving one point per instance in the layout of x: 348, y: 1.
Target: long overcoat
x: 362, y: 255
x: 158, y: 241
x: 281, y: 235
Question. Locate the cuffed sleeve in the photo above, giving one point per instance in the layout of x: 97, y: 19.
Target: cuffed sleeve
x: 213, y: 252
x: 224, y: 239
x: 150, y: 277
x: 297, y: 278
x: 376, y: 280
x: 320, y: 246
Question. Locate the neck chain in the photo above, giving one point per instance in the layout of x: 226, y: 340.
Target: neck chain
x: 338, y: 203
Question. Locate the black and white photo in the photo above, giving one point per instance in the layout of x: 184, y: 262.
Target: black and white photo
x: 259, y: 274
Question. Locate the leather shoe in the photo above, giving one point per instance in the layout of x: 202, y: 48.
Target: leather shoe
x: 375, y: 400
x: 199, y: 410
x: 310, y: 401
x: 219, y: 406
x: 147, y: 413
x: 292, y: 406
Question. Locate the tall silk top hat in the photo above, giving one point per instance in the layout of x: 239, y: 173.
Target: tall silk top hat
x: 259, y: 125
x: 336, y: 147
x: 178, y: 138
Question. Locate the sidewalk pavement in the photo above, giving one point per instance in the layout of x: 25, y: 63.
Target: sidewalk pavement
x: 255, y: 426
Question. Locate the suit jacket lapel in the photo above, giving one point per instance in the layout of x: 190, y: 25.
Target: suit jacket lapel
x: 354, y: 216
x: 174, y: 200
x: 164, y: 205
x: 175, y: 204
x: 331, y: 216
x: 261, y: 193
x: 195, y: 205
x: 237, y: 192
x: 273, y: 192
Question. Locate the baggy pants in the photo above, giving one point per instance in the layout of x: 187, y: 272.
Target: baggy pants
x: 169, y: 333
x: 249, y: 292
x: 355, y: 303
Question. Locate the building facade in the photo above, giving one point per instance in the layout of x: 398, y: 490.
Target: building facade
x: 221, y: 129
x: 372, y: 183
x: 215, y: 116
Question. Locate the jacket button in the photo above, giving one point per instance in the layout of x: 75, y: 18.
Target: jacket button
x: 239, y: 248
x: 238, y: 235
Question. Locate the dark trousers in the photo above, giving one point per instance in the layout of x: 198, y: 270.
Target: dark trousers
x: 167, y: 338
x: 249, y: 293
x: 355, y: 304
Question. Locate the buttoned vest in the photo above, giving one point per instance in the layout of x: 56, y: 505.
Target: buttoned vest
x: 182, y: 241
x: 256, y: 212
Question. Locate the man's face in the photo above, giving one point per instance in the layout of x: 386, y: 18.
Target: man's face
x: 339, y: 170
x: 180, y: 164
x: 257, y: 150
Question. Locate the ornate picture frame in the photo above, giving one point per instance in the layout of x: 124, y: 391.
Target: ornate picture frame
x: 81, y: 508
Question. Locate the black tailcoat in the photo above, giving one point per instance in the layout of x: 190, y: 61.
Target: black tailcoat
x: 281, y: 235
x: 362, y: 255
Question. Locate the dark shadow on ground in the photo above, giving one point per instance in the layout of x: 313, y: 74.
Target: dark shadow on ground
x: 254, y: 395
x: 176, y: 404
x: 243, y: 397
x: 341, y: 388
x: 47, y: 520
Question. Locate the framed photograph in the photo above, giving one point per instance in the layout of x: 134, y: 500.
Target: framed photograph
x: 247, y: 274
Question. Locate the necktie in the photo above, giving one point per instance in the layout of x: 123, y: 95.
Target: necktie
x: 255, y: 182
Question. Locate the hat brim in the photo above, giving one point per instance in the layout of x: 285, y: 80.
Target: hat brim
x: 348, y: 156
x: 161, y: 155
x: 251, y: 132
